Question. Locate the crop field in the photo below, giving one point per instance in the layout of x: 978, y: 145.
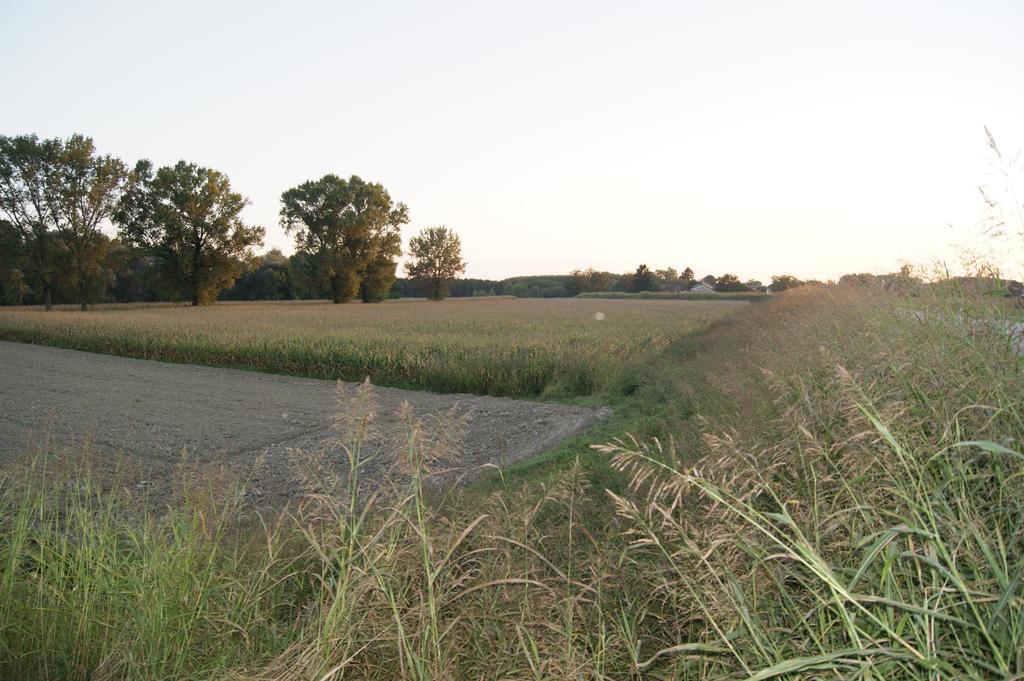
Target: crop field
x: 507, y: 347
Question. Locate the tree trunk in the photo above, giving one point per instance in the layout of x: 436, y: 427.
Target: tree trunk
x: 193, y: 277
x: 47, y: 296
x: 336, y: 289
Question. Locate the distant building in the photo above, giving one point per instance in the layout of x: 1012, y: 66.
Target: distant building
x: 702, y: 287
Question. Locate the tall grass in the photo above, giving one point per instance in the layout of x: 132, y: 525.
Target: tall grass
x: 90, y: 589
x: 872, y: 527
x: 845, y: 502
x: 95, y: 584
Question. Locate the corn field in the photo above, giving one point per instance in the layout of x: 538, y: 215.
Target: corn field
x: 502, y: 347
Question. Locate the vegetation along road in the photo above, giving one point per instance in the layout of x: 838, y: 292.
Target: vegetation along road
x: 152, y: 410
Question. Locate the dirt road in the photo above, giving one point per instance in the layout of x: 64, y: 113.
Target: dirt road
x: 144, y: 413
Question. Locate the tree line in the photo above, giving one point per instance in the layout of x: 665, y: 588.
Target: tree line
x: 671, y: 280
x: 180, y: 234
x: 279, y: 277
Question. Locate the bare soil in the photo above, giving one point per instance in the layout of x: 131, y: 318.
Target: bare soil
x: 144, y: 418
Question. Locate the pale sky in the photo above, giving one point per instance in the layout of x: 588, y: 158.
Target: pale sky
x: 813, y: 138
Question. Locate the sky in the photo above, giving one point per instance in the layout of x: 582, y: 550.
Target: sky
x: 811, y: 138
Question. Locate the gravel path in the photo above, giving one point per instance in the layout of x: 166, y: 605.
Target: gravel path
x: 143, y: 413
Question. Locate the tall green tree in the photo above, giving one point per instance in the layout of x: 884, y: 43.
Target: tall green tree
x: 26, y: 169
x: 729, y: 283
x: 85, y: 190
x: 12, y: 256
x: 644, y: 279
x: 58, y: 194
x: 379, y: 274
x: 686, y: 279
x: 189, y: 219
x: 437, y: 259
x: 351, y: 230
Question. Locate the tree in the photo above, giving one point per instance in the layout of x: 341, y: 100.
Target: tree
x: 585, y: 281
x: 579, y: 282
x: 60, y: 190
x: 187, y: 217
x: 644, y: 279
x: 133, y: 275
x: 305, y: 278
x: 599, y: 281
x: 26, y: 169
x: 270, y: 279
x: 12, y: 254
x: 437, y: 259
x: 669, y: 279
x: 783, y: 282
x: 351, y: 229
x: 729, y: 282
x: 379, y: 274
x: 84, y: 191
x: 859, y: 279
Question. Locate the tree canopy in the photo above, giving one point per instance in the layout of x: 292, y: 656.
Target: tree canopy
x: 85, y: 190
x: 644, y: 279
x: 351, y: 229
x: 437, y: 259
x: 12, y: 279
x: 57, y: 194
x: 729, y: 283
x: 189, y: 219
x: 27, y: 169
